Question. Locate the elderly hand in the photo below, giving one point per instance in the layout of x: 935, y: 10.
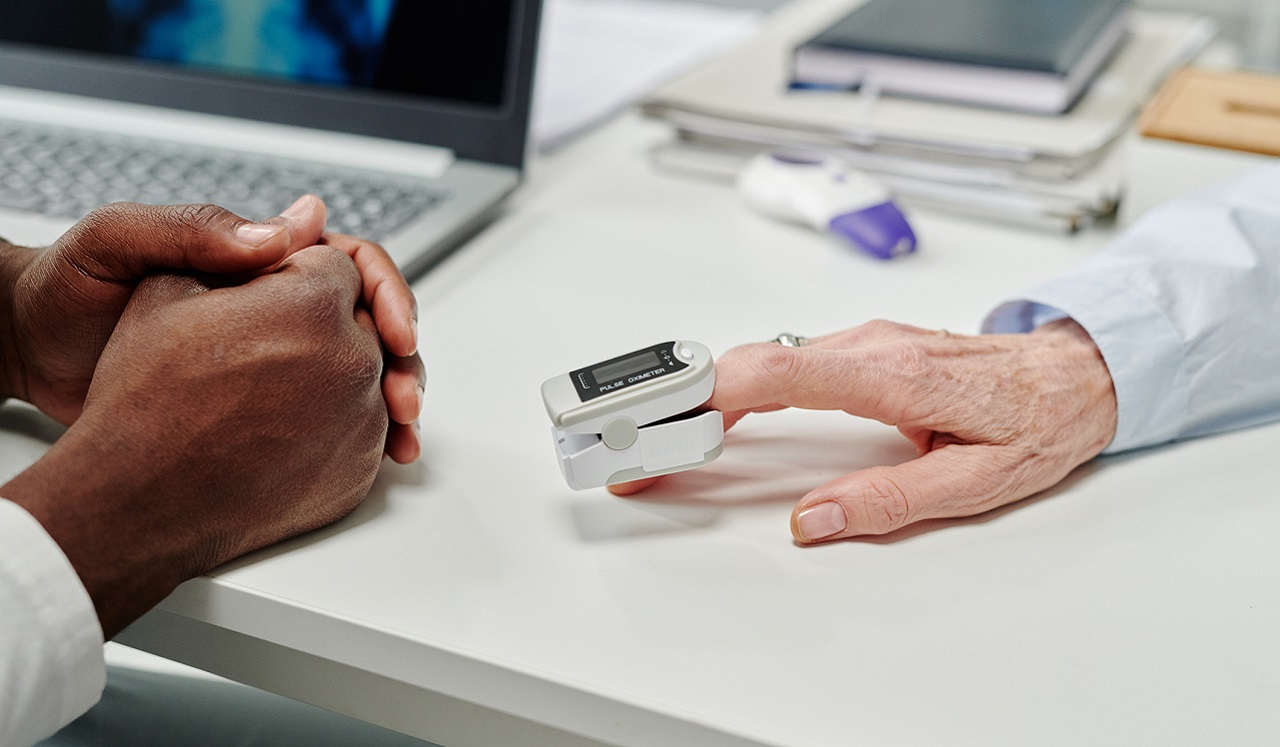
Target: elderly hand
x: 218, y: 421
x: 64, y: 301
x: 995, y: 418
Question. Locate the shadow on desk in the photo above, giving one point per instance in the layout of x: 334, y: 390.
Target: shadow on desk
x: 758, y: 469
x: 767, y: 470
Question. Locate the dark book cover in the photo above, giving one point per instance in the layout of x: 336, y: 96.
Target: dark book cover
x: 1047, y: 36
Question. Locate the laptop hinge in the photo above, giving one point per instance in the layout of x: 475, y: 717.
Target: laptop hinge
x: 214, y: 131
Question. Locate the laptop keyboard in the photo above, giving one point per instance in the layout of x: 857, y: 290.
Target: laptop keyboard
x: 65, y: 173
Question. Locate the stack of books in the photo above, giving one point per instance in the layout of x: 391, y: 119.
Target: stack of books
x: 983, y: 152
x: 1023, y: 55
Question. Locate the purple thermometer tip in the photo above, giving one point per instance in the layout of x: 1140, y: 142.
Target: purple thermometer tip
x: 880, y: 230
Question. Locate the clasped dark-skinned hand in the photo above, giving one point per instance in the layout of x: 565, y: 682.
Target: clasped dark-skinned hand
x: 218, y: 421
x: 994, y: 418
x: 64, y: 301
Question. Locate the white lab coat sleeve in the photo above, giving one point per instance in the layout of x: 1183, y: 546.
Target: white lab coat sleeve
x: 51, y: 660
x: 1185, y: 308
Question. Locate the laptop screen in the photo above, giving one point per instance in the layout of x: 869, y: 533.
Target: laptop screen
x: 390, y: 68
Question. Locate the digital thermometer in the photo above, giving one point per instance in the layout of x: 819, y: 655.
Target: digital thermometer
x: 821, y: 191
x: 629, y: 417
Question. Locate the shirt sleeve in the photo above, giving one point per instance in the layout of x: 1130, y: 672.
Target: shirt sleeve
x: 51, y: 660
x: 1185, y: 308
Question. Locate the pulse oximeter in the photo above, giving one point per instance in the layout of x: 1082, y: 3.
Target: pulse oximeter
x: 632, y: 416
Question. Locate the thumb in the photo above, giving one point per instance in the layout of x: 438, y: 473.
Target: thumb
x: 955, y: 480
x: 124, y: 242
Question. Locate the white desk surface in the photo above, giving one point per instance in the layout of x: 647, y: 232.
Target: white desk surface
x: 475, y: 600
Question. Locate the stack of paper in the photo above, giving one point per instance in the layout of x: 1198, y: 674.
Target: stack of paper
x: 1059, y: 171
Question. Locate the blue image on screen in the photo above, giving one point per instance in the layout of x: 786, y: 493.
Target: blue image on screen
x: 337, y: 42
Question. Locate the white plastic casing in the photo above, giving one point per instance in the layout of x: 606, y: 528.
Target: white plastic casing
x: 807, y: 189
x: 586, y: 462
x: 659, y: 432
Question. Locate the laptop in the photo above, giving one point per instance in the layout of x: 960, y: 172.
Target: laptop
x: 409, y: 117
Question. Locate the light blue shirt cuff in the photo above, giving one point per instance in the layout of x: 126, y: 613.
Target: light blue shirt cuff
x: 1183, y: 306
x: 1014, y: 317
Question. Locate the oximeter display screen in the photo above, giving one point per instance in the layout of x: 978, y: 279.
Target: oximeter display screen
x: 626, y: 371
x: 627, y: 366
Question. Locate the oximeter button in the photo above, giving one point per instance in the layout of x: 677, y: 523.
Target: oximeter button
x: 620, y: 433
x: 685, y: 353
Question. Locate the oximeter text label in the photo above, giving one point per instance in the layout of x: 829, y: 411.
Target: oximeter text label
x: 627, y: 370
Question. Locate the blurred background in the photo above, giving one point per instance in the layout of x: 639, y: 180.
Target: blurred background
x: 1249, y: 30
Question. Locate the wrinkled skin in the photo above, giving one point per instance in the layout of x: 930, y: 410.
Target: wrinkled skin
x: 994, y: 418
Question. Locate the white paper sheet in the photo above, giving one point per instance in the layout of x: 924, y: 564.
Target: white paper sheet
x: 599, y: 56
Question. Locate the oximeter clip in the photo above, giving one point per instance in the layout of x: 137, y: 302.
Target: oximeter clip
x: 633, y: 416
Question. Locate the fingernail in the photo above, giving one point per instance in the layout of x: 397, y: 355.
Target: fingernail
x: 822, y: 520
x: 298, y: 209
x: 256, y: 234
x: 422, y: 393
x: 413, y: 331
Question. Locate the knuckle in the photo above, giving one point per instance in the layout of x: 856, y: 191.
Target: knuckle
x: 883, y: 504
x: 881, y: 328
x: 777, y: 361
x: 328, y: 253
x: 103, y: 224
x: 94, y: 243
x: 110, y: 214
x: 321, y: 271
x: 322, y: 260
x: 307, y: 302
x: 197, y: 218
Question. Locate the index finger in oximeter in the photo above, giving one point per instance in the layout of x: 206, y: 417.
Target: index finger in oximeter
x: 629, y: 417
